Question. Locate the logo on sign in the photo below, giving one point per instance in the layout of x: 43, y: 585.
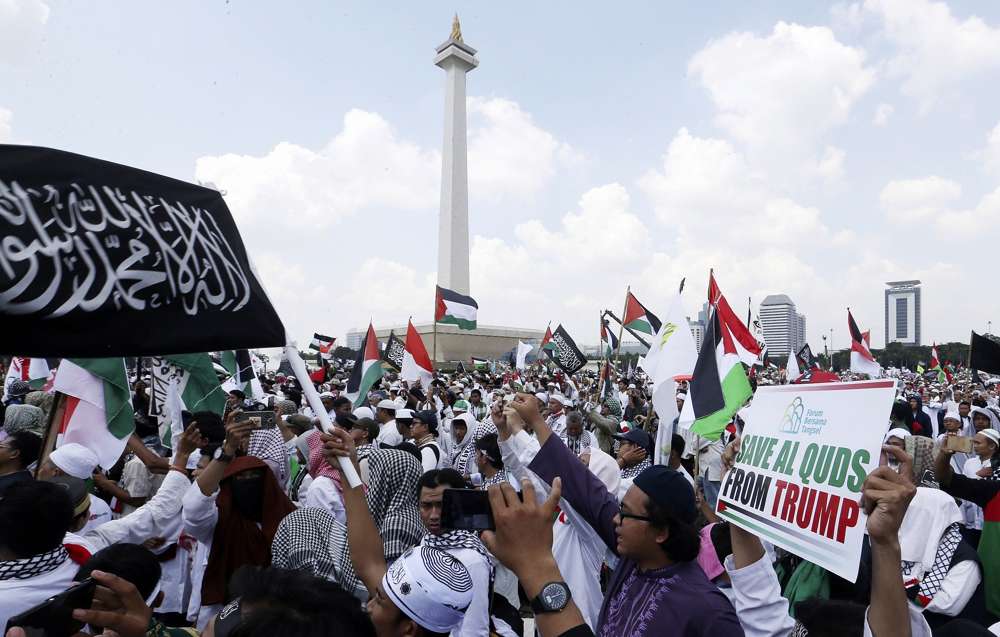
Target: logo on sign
x: 798, y: 419
x: 791, y: 421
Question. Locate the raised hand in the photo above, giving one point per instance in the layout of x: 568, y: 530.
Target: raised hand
x: 886, y: 494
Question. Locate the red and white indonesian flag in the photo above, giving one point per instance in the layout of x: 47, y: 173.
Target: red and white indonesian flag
x: 417, y: 365
x: 862, y: 361
x: 34, y: 371
x: 98, y: 413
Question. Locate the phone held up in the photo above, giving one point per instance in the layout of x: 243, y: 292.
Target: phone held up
x: 258, y: 419
x: 54, y: 616
x: 467, y: 510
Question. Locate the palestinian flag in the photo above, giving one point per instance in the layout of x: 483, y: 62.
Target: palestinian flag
x: 609, y: 341
x: 34, y: 371
x: 862, y: 361
x: 638, y: 318
x: 199, y: 385
x: 417, y: 365
x: 748, y: 347
x: 323, y: 345
x: 240, y: 368
x: 547, y: 344
x: 98, y: 413
x: 719, y: 385
x: 456, y: 309
x: 935, y: 364
x: 367, y: 369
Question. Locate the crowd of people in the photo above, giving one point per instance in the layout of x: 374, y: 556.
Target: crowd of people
x: 237, y: 529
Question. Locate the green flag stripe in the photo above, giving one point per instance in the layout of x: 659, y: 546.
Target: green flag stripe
x: 640, y: 325
x: 461, y: 323
x: 736, y: 391
x: 117, y: 397
x: 369, y: 378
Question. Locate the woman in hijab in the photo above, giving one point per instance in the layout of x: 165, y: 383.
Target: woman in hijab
x: 325, y: 491
x: 24, y: 417
x: 234, y: 512
x: 461, y: 456
x: 311, y: 539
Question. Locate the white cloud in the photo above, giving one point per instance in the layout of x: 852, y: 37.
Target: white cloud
x: 706, y: 190
x: 364, y: 166
x: 785, y: 90
x: 935, y: 50
x: 22, y: 23
x: 603, y: 220
x: 5, y: 124
x: 882, y: 114
x: 509, y: 155
x: 917, y: 200
x: 991, y: 154
x: 368, y: 166
x: 702, y: 175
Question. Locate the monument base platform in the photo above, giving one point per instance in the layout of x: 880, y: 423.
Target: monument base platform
x: 454, y: 345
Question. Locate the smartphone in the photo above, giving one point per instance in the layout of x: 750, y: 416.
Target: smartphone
x: 54, y: 616
x: 259, y: 419
x: 466, y: 509
x: 961, y: 444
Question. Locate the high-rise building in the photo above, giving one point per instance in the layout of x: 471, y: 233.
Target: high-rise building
x: 784, y: 328
x: 698, y: 332
x: 354, y: 338
x: 902, y: 312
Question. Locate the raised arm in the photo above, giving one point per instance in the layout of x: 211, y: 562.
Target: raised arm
x: 979, y: 492
x: 367, y: 552
x: 581, y: 488
x: 885, y: 496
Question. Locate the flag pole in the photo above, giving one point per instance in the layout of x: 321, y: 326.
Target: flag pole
x: 52, y: 430
x: 621, y: 330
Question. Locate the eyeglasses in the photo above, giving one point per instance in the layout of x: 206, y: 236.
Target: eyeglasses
x: 622, y: 513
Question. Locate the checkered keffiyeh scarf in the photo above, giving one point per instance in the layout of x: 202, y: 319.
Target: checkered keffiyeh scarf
x: 269, y: 446
x: 498, y: 478
x: 579, y: 444
x: 932, y: 581
x: 307, y: 540
x: 33, y: 566
x: 450, y: 540
x: 631, y: 472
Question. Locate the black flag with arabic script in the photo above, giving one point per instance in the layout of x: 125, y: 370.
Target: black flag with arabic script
x: 100, y: 259
x: 566, y: 355
x: 394, y: 351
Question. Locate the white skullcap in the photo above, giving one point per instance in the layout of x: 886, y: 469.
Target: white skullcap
x: 387, y: 404
x: 75, y: 460
x: 898, y: 432
x: 364, y: 412
x: 542, y: 396
x: 566, y: 402
x: 952, y: 415
x: 430, y: 587
x: 993, y: 435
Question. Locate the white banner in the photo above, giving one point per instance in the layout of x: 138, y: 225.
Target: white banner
x: 806, y: 451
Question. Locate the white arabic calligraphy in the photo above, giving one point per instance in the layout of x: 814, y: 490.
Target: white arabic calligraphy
x: 99, y: 248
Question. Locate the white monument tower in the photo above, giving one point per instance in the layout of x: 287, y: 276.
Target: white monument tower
x: 456, y: 58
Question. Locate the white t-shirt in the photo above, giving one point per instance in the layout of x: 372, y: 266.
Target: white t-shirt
x: 100, y: 513
x: 388, y: 434
x: 137, y: 480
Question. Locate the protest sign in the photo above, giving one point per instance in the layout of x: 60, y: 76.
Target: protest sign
x: 104, y: 260
x: 805, y: 452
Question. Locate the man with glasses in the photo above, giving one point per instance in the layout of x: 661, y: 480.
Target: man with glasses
x: 658, y: 587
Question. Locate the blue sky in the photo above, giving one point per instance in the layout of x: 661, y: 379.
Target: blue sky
x: 812, y: 149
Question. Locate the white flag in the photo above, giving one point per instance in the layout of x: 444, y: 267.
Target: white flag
x: 672, y: 354
x: 522, y: 353
x: 792, y: 369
